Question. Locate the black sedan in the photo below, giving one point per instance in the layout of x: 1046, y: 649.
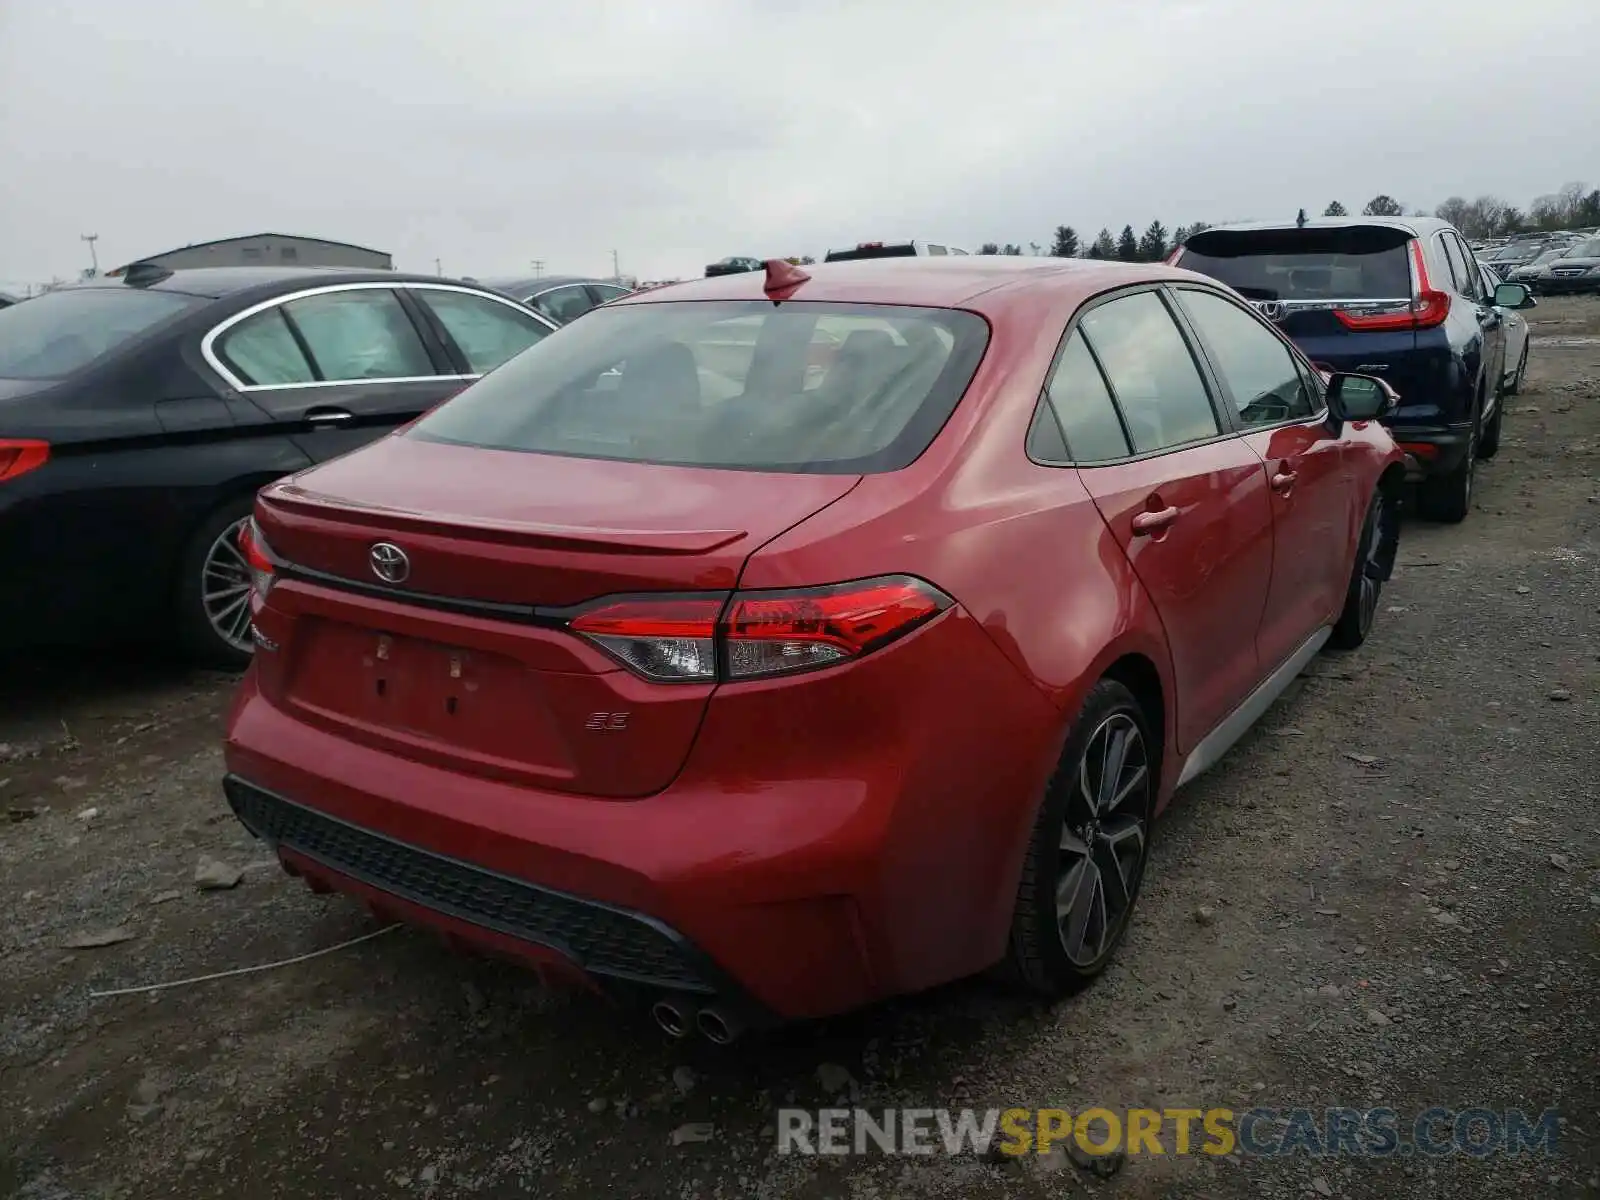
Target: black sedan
x: 139, y: 416
x: 735, y: 265
x: 562, y: 298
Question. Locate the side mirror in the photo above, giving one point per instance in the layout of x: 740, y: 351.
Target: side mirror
x: 1361, y: 397
x: 1514, y: 295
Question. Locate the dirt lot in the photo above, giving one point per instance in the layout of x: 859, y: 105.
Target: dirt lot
x: 1417, y: 925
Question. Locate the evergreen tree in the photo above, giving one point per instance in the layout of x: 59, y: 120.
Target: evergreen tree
x: 1066, y: 243
x: 1335, y: 210
x: 1153, y: 245
x: 1105, y: 246
x: 1012, y: 248
x: 989, y: 248
x: 1127, y: 245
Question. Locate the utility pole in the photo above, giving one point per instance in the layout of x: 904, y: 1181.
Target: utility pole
x: 616, y: 271
x: 437, y: 270
x: 94, y: 259
x: 538, y: 268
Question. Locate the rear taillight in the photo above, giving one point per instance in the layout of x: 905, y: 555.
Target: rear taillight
x: 258, y: 557
x: 1428, y: 309
x: 757, y: 634
x: 18, y: 456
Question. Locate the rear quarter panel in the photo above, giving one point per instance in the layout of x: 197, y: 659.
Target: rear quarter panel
x: 1026, y: 555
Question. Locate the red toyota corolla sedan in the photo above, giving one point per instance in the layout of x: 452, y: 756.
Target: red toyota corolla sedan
x: 781, y: 642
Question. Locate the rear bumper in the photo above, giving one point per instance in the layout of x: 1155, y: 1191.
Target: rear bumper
x: 1432, y: 450
x: 875, y: 855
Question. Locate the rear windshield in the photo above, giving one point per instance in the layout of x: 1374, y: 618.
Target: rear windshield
x: 55, y: 334
x: 902, y: 250
x: 1351, y: 263
x: 802, y: 387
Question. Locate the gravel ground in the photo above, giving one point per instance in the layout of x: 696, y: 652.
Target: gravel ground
x: 1388, y: 895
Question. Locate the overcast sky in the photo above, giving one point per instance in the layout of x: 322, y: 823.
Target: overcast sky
x: 487, y: 133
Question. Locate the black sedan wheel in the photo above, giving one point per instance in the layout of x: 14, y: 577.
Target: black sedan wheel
x: 213, y: 602
x: 1086, y: 860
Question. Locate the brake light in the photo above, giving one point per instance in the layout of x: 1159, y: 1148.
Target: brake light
x: 18, y: 456
x: 1428, y: 309
x: 260, y: 560
x: 757, y: 634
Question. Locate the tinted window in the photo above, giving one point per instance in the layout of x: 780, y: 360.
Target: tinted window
x: 261, y: 349
x: 58, y: 333
x: 901, y: 250
x: 1077, y: 393
x: 486, y: 331
x: 1152, y: 374
x: 1460, y: 276
x: 1360, y: 262
x: 360, y: 334
x: 801, y: 387
x: 564, y: 304
x: 1262, y: 374
x: 606, y: 291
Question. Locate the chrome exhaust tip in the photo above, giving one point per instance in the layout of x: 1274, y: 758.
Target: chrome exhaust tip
x: 717, y: 1027
x: 674, y: 1022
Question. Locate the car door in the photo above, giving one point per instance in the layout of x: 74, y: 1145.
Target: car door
x: 1278, y: 407
x: 1185, y: 498
x: 1467, y: 284
x: 479, y: 331
x: 338, y: 366
x: 563, y: 304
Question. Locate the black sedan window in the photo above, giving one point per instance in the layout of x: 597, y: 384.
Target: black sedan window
x: 59, y: 333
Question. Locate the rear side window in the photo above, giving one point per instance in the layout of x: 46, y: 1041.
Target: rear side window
x: 486, y: 331
x: 902, y: 250
x: 1358, y: 262
x: 1078, y: 396
x: 261, y: 350
x: 819, y: 388
x: 564, y: 304
x: 1459, y: 274
x: 1152, y: 374
x: 360, y: 334
x: 58, y: 333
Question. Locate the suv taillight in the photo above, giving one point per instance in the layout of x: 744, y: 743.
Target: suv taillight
x: 1427, y: 310
x: 18, y: 456
x: 259, y: 558
x: 757, y: 634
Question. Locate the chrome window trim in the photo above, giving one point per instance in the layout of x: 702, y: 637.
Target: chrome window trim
x: 208, y: 344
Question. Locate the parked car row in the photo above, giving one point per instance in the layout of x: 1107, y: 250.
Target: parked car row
x: 519, y: 662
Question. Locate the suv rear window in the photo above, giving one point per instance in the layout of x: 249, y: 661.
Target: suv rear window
x: 897, y: 250
x: 58, y: 333
x: 1357, y: 262
x: 802, y: 387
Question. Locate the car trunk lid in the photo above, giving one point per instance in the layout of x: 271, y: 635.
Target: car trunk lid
x: 460, y: 657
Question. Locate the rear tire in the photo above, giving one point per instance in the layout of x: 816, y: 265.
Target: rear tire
x: 1374, y: 555
x: 1086, y: 857
x: 1448, y: 498
x: 1489, y: 444
x: 212, y: 618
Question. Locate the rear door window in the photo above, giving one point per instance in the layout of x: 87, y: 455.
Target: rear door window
x: 1152, y: 374
x: 486, y: 331
x: 262, y: 351
x: 1359, y: 262
x: 810, y: 387
x: 360, y: 334
x: 1262, y: 375
x: 564, y: 304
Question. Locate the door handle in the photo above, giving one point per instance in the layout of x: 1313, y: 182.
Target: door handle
x: 1151, y: 522
x: 328, y: 416
x: 1284, y: 480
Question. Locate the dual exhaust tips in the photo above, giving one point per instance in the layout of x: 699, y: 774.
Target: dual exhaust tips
x: 712, y: 1022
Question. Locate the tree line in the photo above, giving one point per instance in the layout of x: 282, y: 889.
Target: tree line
x: 1574, y: 206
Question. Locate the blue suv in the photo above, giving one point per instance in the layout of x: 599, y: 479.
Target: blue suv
x: 1397, y: 297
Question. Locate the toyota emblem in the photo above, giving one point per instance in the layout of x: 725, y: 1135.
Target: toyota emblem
x: 389, y: 562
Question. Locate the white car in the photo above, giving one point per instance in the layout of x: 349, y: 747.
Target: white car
x: 1516, y: 361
